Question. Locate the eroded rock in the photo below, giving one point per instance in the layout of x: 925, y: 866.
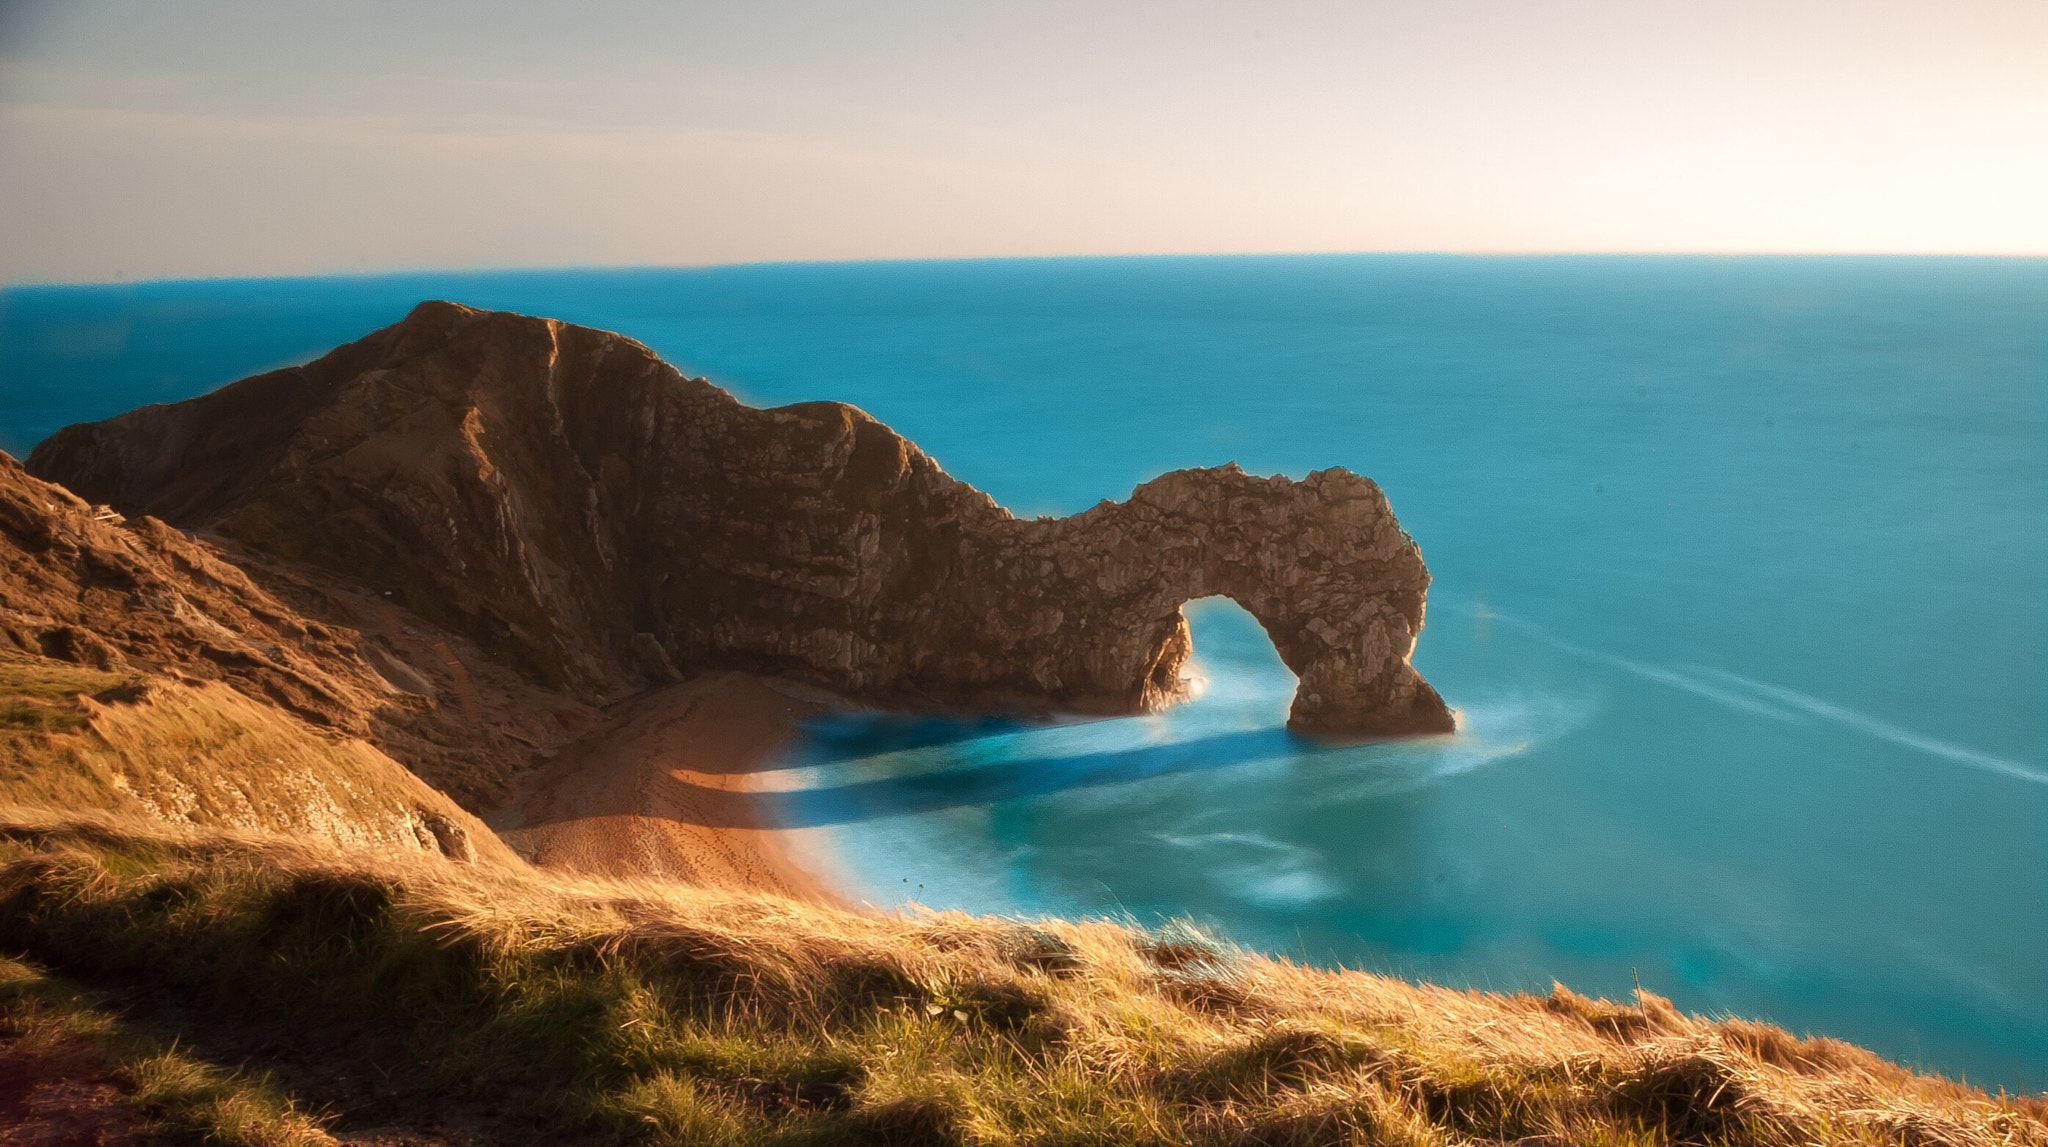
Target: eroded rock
x: 581, y: 509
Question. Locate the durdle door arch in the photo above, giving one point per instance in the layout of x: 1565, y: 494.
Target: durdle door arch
x: 1320, y: 564
x: 598, y: 521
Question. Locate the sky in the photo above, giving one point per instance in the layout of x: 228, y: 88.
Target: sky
x: 141, y: 139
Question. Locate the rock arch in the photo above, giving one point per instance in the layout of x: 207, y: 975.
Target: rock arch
x: 574, y: 504
x: 1321, y: 564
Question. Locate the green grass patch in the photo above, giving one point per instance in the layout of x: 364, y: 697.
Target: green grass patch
x: 44, y: 680
x: 26, y: 716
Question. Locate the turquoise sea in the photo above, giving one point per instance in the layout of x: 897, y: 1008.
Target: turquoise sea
x: 1741, y: 591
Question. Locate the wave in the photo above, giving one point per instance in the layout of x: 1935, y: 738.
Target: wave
x: 1267, y: 872
x: 1490, y: 731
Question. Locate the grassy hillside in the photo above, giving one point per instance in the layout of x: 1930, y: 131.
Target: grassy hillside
x: 541, y: 1008
x: 204, y: 753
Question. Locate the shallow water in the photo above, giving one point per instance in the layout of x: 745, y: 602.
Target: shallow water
x: 1741, y: 591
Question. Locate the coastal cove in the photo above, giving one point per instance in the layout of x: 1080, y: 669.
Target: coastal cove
x: 1741, y: 593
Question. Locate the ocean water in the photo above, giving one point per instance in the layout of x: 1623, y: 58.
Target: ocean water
x: 1741, y: 592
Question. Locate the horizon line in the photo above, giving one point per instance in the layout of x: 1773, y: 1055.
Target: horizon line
x: 545, y: 268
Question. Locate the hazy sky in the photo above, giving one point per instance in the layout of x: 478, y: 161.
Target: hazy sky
x: 145, y: 139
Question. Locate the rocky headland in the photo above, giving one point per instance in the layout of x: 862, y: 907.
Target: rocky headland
x: 600, y: 523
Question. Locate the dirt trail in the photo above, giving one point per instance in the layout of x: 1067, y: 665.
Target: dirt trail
x: 61, y: 1096
x: 660, y: 790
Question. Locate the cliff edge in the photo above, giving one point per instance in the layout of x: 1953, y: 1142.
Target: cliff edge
x: 576, y: 506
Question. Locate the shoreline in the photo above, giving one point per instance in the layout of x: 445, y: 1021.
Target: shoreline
x: 662, y: 789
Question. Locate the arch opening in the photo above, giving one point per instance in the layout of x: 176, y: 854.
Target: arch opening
x: 1232, y: 662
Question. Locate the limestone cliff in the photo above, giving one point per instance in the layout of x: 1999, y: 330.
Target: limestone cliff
x: 582, y: 510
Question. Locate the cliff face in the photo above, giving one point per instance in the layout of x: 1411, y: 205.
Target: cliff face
x: 579, y: 508
x: 84, y: 587
x: 140, y: 671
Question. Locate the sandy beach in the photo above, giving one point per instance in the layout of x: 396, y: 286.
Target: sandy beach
x: 660, y: 789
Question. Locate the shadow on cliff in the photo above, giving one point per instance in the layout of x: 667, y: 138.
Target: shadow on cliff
x: 985, y: 783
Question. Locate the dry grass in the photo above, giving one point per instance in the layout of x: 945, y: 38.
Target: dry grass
x: 660, y: 1014
x: 202, y: 753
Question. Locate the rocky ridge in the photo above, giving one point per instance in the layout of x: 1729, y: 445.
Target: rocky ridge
x: 601, y: 523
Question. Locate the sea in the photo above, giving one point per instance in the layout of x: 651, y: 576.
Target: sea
x: 1741, y: 595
